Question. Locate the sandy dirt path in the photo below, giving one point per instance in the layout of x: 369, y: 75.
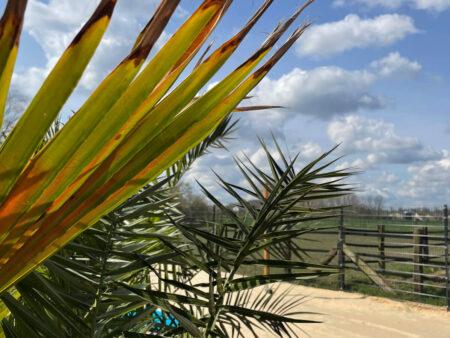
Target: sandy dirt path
x: 352, y: 315
x: 356, y: 315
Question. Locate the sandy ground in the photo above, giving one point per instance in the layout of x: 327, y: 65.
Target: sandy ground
x: 351, y: 315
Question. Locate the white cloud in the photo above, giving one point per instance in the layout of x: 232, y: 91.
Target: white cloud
x: 355, y: 32
x: 372, y: 145
x: 26, y: 83
x: 376, y: 141
x: 428, y: 181
x: 369, y: 191
x: 201, y: 171
x: 388, y: 178
x: 321, y: 92
x: 258, y: 156
x: 399, y: 168
x: 324, y: 92
x: 429, y: 5
x: 395, y: 65
x: 309, y: 151
x: 391, y: 4
x: 433, y: 5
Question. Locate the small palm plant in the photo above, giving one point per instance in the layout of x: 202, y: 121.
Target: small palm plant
x: 136, y: 124
x: 65, y: 296
x: 144, y: 269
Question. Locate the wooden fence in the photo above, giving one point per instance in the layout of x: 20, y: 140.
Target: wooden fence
x: 401, y: 254
x: 407, y: 255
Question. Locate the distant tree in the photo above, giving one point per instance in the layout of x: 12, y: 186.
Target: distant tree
x: 193, y: 205
x: 378, y: 203
x: 15, y: 106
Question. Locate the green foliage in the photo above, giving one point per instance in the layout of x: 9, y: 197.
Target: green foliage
x: 140, y: 120
x: 122, y: 155
x: 146, y: 256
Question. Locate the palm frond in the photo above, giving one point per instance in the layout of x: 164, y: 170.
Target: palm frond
x: 140, y: 120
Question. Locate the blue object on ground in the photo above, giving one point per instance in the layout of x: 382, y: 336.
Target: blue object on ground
x: 159, y: 317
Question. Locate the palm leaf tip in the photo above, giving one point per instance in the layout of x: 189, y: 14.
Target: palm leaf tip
x: 153, y: 30
x: 10, y: 30
x: 104, y: 9
x: 13, y: 15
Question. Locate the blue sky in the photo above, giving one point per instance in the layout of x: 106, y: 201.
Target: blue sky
x: 373, y: 75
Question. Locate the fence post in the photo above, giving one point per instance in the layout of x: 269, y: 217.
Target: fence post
x: 266, y: 252
x: 160, y: 268
x: 447, y: 277
x: 288, y: 255
x: 425, y: 246
x: 381, y: 248
x: 340, y: 248
x: 417, y: 260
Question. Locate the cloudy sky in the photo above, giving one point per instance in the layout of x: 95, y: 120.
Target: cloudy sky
x: 372, y: 75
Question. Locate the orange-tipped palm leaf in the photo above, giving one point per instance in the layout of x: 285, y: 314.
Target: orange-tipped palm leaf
x: 127, y: 132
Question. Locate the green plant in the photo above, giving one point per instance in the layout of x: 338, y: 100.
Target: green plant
x: 102, y: 284
x: 132, y: 128
x: 66, y: 292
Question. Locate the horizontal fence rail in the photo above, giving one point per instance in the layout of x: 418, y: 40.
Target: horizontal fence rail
x: 408, y: 252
